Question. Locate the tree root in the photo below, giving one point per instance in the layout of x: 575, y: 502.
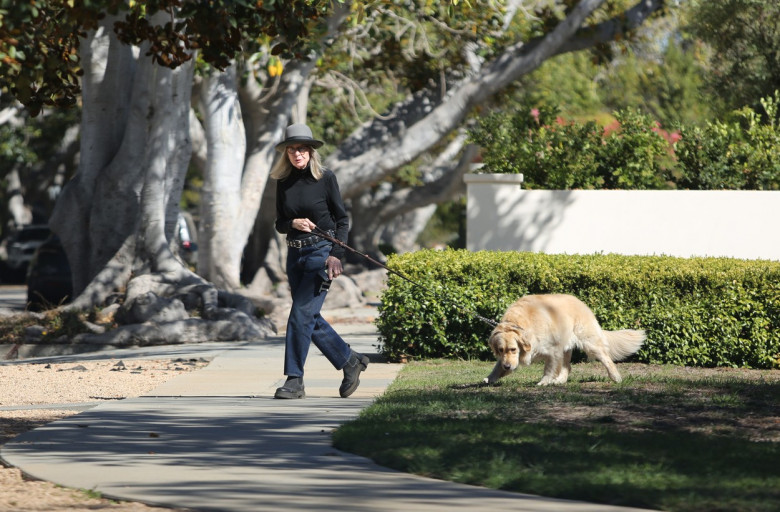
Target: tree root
x: 191, y: 330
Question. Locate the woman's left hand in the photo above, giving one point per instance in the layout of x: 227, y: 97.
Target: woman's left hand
x: 334, y: 267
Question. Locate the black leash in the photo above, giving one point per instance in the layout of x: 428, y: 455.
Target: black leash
x: 317, y: 231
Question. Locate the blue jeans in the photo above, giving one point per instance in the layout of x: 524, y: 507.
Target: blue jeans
x: 305, y: 325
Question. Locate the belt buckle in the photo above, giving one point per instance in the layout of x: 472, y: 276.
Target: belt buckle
x: 305, y: 242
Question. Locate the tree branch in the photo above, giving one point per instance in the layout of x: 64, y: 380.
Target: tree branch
x: 612, y: 29
x: 423, y: 121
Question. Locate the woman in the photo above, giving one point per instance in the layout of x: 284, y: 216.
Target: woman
x: 308, y: 197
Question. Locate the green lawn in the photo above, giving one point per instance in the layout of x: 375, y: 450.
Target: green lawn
x: 667, y: 438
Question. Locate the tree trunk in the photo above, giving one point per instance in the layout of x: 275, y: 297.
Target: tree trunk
x: 117, y: 216
x: 106, y: 91
x: 373, y: 214
x: 220, y: 248
x: 402, y: 233
x: 130, y: 210
x: 18, y: 210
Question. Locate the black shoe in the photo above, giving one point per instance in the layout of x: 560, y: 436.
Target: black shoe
x: 356, y: 364
x: 293, y: 388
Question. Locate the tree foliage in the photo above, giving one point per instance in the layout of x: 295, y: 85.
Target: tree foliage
x: 39, y: 43
x: 744, y: 36
x: 389, y: 50
x: 41, y: 152
x: 670, y: 86
x: 660, y: 70
x: 40, y: 39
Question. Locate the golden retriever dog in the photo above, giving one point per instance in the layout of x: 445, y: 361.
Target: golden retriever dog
x: 549, y: 327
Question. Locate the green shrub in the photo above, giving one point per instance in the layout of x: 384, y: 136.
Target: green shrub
x: 554, y: 154
x: 696, y: 311
x: 742, y: 153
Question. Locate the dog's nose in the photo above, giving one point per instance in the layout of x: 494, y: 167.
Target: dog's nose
x: 507, y: 366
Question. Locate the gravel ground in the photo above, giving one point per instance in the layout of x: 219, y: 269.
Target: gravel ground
x: 34, y: 394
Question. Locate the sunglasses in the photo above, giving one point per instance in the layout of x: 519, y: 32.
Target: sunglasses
x: 298, y: 149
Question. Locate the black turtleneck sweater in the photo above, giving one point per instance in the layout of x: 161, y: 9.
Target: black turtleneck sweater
x: 300, y: 196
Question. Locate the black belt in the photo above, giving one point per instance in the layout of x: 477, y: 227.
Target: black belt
x: 309, y: 240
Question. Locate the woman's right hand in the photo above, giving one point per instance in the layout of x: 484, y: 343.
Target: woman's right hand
x: 304, y: 225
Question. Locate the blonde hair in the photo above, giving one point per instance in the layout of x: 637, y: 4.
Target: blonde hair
x: 283, y: 167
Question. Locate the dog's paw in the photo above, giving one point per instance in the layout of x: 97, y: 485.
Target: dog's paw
x: 487, y: 381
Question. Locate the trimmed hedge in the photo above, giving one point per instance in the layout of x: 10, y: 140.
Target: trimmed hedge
x: 696, y: 311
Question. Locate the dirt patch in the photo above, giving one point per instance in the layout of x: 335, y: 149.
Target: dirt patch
x: 34, y: 394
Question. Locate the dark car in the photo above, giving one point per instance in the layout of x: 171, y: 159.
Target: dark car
x: 49, y: 282
x: 21, y: 246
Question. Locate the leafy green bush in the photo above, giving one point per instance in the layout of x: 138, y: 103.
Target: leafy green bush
x: 554, y: 154
x: 738, y: 154
x: 696, y: 311
x: 743, y: 154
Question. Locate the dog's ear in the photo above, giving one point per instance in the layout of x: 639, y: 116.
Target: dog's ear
x: 524, y: 340
x: 521, y: 337
x: 524, y: 343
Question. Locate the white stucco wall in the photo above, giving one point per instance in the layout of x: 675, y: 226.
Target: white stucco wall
x: 501, y: 216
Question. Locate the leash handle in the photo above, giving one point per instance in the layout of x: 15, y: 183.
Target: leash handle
x: 319, y: 232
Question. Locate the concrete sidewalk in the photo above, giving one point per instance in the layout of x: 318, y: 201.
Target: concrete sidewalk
x: 216, y: 440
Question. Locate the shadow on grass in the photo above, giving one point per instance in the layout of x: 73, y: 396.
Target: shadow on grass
x: 662, y: 443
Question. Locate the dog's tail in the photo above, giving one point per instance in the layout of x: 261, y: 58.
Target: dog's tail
x: 625, y: 342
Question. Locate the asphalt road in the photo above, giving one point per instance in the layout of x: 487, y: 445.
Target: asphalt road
x: 13, y: 296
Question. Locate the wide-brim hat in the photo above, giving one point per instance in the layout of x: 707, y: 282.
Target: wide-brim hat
x: 298, y: 134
